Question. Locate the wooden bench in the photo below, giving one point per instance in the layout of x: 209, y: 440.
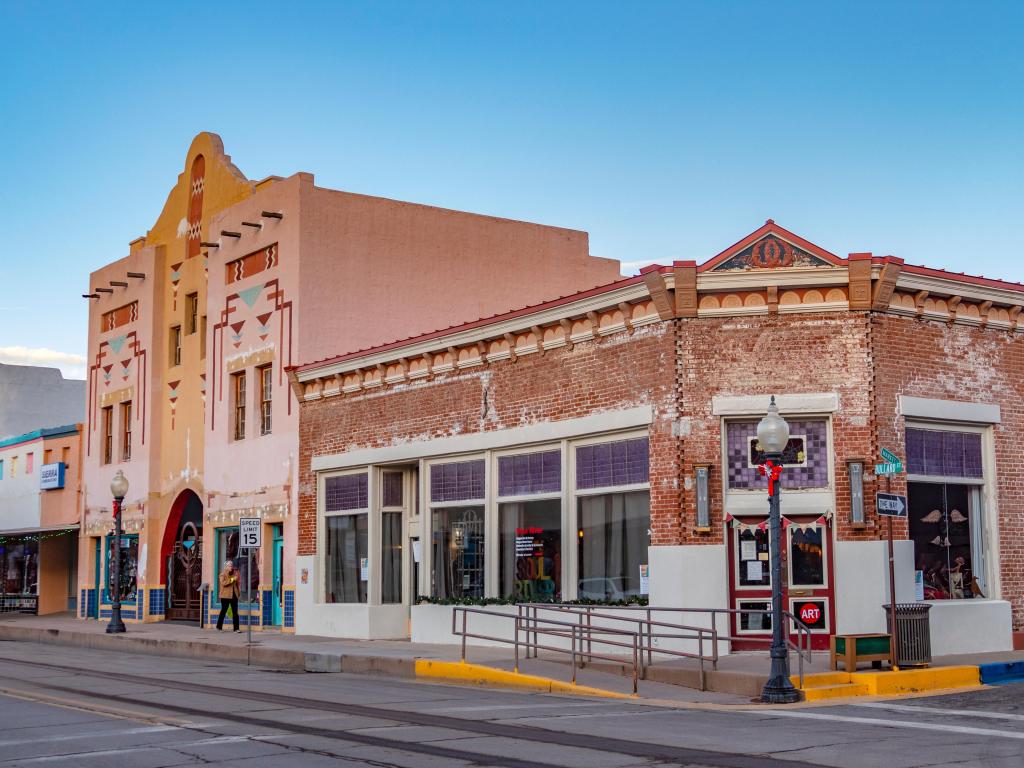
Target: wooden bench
x: 851, y: 649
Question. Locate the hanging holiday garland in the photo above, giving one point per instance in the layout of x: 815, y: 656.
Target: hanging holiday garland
x: 37, y: 536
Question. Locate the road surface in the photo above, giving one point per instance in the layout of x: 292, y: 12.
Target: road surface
x: 157, y: 712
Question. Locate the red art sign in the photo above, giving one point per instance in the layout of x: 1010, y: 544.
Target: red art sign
x: 810, y: 613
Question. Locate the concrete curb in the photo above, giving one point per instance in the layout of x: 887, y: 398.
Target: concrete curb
x: 277, y: 658
x: 477, y: 674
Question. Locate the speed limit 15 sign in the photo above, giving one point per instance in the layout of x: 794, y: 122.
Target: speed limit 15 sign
x: 250, y: 533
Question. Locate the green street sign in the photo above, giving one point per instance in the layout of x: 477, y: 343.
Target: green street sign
x: 889, y: 468
x: 889, y: 456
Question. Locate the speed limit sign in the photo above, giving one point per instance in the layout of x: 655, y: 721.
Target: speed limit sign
x: 250, y: 533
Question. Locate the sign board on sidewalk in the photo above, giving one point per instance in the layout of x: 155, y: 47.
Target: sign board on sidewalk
x: 250, y: 533
x: 891, y: 504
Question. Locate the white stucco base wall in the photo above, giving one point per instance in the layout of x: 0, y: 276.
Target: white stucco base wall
x: 691, y: 576
x: 956, y: 626
x: 862, y: 583
x: 433, y: 624
x: 970, y: 626
x: 356, y: 621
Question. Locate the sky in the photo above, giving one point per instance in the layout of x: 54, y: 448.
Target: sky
x: 665, y: 130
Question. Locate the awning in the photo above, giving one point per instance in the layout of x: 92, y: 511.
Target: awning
x: 42, y: 529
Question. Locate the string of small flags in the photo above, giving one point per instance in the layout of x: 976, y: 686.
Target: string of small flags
x: 786, y: 523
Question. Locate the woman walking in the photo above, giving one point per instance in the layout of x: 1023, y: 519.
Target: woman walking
x: 229, y: 591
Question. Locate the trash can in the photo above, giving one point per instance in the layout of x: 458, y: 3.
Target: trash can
x: 915, y: 640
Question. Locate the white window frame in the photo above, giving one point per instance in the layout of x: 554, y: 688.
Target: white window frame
x: 735, y: 532
x: 738, y: 604
x: 980, y: 490
x: 789, y: 559
x: 794, y: 601
x: 426, y: 586
x: 494, y: 563
x: 321, y: 533
x: 423, y: 528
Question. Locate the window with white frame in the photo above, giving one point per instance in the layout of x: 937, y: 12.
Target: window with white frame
x: 613, y: 519
x: 946, y: 516
x: 457, y: 491
x: 393, y: 496
x: 530, y: 525
x: 346, y: 521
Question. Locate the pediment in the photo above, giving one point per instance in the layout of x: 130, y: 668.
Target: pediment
x: 771, y: 252
x: 771, y: 247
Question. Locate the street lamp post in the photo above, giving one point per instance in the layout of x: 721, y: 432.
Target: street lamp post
x: 119, y: 489
x: 773, y: 434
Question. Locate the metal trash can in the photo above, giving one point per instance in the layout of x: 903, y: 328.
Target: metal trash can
x: 915, y: 640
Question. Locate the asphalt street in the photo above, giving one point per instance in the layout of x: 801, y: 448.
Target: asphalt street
x: 152, y: 712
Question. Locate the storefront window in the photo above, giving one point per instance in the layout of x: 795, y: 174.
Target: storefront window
x: 458, y: 557
x: 807, y: 557
x: 346, y: 557
x: 457, y: 528
x: 531, y: 550
x: 248, y: 576
x: 347, y: 562
x: 391, y: 557
x: 19, y: 561
x: 129, y: 565
x: 944, y: 520
x: 753, y: 560
x: 613, y: 535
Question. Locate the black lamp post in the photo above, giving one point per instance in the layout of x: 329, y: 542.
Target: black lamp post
x: 119, y: 489
x: 773, y: 434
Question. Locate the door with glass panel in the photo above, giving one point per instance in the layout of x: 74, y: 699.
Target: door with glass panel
x: 807, y: 580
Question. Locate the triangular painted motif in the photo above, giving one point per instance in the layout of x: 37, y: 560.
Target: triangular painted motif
x: 249, y: 295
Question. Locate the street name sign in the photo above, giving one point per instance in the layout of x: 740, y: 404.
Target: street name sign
x: 891, y: 504
x: 250, y: 533
x: 889, y: 456
x: 889, y: 468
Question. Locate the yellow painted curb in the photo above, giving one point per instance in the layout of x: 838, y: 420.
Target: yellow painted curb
x: 829, y: 685
x: 915, y: 680
x: 836, y: 691
x: 477, y: 674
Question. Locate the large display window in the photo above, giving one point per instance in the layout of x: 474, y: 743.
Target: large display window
x: 531, y: 550
x: 614, y: 535
x: 946, y: 514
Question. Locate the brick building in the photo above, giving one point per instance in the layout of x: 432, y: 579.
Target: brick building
x: 602, y: 446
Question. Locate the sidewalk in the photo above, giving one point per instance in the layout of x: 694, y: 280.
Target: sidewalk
x: 738, y: 679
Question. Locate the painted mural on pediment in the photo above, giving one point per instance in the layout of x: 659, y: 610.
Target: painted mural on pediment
x: 771, y: 252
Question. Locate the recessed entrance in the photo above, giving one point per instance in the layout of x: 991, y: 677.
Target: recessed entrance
x: 182, y: 558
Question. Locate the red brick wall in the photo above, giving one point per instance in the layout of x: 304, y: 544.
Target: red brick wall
x: 924, y: 358
x: 613, y: 373
x: 769, y: 354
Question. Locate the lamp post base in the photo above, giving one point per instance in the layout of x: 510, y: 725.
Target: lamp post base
x: 116, y: 626
x: 779, y: 690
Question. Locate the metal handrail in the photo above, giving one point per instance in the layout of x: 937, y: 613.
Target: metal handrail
x: 650, y: 630
x: 555, y: 628
x: 802, y: 646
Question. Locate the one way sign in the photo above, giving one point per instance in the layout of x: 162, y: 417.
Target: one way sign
x: 891, y: 504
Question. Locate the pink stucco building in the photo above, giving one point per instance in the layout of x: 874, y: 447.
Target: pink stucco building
x: 191, y: 333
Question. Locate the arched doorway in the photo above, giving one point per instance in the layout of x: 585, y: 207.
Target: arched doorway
x: 181, y: 558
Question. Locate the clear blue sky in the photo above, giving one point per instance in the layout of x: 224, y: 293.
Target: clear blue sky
x: 665, y: 130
